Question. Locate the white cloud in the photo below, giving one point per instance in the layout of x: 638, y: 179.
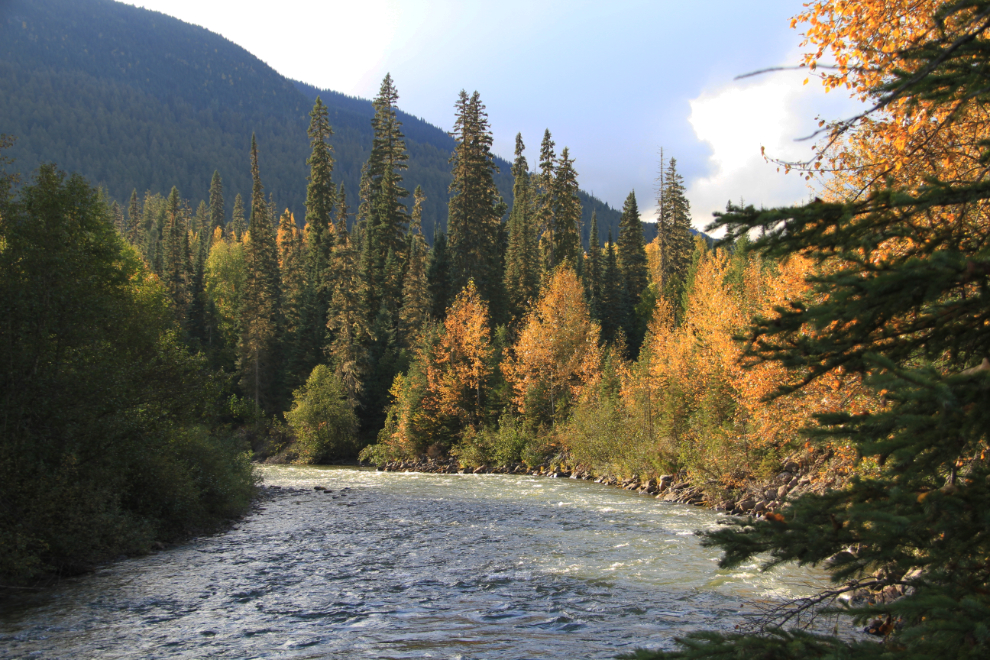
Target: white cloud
x: 737, y: 119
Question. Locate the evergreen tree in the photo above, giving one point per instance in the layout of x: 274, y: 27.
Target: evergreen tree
x: 522, y: 277
x: 615, y: 303
x: 673, y: 232
x: 565, y: 240
x: 133, y: 219
x: 237, y: 226
x: 260, y: 310
x: 415, y: 294
x: 545, y: 202
x: 384, y: 215
x: 175, y: 247
x: 632, y: 263
x: 347, y: 318
x: 216, y: 205
x: 593, y: 281
x: 475, y: 209
x: 438, y: 279
x: 321, y: 198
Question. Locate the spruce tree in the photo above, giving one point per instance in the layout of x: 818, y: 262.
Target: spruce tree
x: 438, y: 279
x: 347, y: 322
x: 321, y: 198
x: 237, y: 226
x: 674, y: 232
x: 216, y: 206
x: 415, y: 294
x: 565, y: 240
x: 901, y: 301
x: 133, y: 218
x: 544, y: 202
x: 615, y: 303
x: 593, y: 281
x: 259, y: 360
x: 475, y: 209
x: 175, y: 267
x: 521, y: 259
x: 632, y: 262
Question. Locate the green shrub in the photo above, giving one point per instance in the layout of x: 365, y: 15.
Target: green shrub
x: 322, y: 419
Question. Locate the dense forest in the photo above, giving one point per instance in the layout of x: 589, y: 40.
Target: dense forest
x: 135, y: 99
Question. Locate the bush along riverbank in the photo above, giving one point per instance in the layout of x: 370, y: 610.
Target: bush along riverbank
x: 810, y: 470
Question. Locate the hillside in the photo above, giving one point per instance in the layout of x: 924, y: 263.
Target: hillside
x: 132, y: 98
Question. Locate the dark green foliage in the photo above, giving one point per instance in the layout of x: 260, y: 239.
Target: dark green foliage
x: 322, y: 419
x: 216, y: 206
x: 415, y: 293
x: 475, y: 208
x: 565, y: 236
x: 438, y: 279
x: 632, y: 263
x: 674, y: 231
x: 237, y: 224
x: 913, y: 321
x: 594, y: 274
x: 522, y: 278
x: 615, y: 310
x: 105, y: 444
x: 259, y: 360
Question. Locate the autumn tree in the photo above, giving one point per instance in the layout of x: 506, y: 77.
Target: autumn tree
x: 556, y: 353
x: 901, y: 302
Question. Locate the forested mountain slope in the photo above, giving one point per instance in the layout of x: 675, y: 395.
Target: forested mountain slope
x: 132, y: 98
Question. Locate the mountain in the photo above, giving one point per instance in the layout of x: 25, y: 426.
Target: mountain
x: 132, y: 98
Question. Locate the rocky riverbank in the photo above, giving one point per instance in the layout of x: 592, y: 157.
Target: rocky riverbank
x: 811, y: 470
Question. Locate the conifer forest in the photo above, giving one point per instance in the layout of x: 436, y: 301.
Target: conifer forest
x: 159, y: 346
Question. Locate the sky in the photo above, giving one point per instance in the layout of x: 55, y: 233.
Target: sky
x: 613, y: 81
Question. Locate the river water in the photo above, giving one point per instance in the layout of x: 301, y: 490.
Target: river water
x: 405, y: 565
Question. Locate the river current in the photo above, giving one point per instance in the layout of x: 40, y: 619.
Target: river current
x: 406, y: 565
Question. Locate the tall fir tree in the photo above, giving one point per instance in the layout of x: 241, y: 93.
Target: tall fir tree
x: 522, y: 277
x: 565, y: 240
x: 673, y: 232
x: 475, y: 209
x: 216, y: 206
x: 175, y: 255
x: 259, y: 359
x: 631, y: 253
x: 415, y: 294
x: 321, y: 199
x: 593, y: 281
x: 615, y: 303
x: 292, y: 271
x: 237, y: 225
x: 133, y: 218
x: 544, y: 203
x: 438, y: 278
x: 347, y: 323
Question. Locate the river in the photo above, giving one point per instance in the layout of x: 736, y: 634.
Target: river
x: 405, y: 565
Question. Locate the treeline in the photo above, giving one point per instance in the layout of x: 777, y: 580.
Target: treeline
x: 113, y: 434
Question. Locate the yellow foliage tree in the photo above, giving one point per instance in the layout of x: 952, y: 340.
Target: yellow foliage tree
x: 556, y: 354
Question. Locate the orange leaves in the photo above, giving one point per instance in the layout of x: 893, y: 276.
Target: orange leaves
x: 557, y: 350
x: 461, y: 358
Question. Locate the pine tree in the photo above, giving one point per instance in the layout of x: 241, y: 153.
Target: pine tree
x: 347, y: 318
x: 522, y: 278
x: 415, y: 294
x: 321, y: 198
x: 175, y: 247
x: 237, y: 226
x: 545, y: 202
x: 216, y: 205
x: 632, y: 264
x: 673, y: 232
x: 594, y: 274
x: 260, y: 309
x: 292, y: 269
x: 475, y: 209
x: 383, y: 215
x: 133, y: 219
x: 438, y: 278
x: 566, y: 236
x: 615, y: 302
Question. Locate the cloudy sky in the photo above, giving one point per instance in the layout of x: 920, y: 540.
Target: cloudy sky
x: 614, y: 81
